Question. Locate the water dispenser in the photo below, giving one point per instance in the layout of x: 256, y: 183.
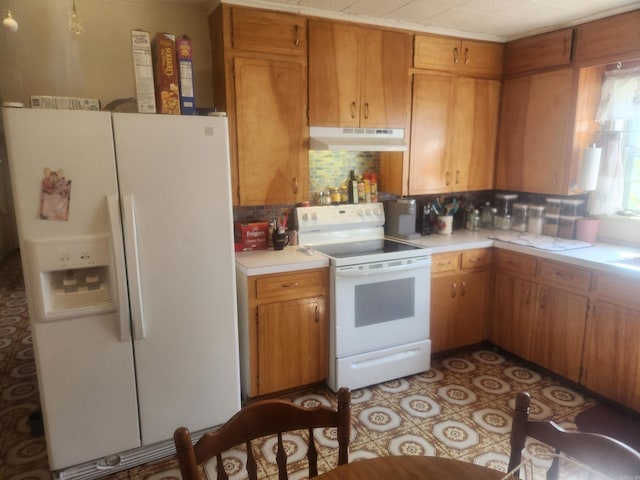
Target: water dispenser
x: 73, y: 277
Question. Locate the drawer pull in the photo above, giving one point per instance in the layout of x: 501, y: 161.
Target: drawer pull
x: 474, y: 260
x: 562, y: 275
x: 290, y: 285
x: 527, y: 300
x: 444, y: 264
x: 463, y: 290
x: 453, y: 290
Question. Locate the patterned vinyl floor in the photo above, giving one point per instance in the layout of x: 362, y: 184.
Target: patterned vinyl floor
x: 461, y: 408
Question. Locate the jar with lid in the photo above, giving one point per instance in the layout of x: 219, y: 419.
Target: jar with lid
x: 553, y: 206
x: 325, y: 197
x: 486, y: 219
x: 504, y: 203
x: 570, y: 207
x: 520, y: 217
x: 567, y: 226
x: 335, y: 195
x: 536, y: 219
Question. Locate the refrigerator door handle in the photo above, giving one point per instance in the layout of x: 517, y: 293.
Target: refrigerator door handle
x: 135, y: 290
x: 119, y: 268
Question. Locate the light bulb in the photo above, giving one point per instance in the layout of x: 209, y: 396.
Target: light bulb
x: 9, y: 23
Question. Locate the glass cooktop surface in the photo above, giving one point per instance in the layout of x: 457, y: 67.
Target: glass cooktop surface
x: 363, y: 248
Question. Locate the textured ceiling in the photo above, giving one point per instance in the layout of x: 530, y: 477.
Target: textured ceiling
x: 499, y: 20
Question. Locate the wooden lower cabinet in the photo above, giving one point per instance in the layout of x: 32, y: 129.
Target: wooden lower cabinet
x: 284, y: 330
x: 459, y: 298
x: 292, y: 344
x: 535, y: 319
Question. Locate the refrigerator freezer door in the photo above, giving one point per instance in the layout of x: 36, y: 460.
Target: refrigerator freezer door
x: 85, y: 372
x: 174, y: 172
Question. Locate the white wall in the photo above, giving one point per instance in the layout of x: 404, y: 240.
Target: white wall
x: 44, y: 58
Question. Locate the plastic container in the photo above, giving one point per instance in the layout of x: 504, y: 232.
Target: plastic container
x: 535, y: 222
x: 567, y: 226
x: 520, y: 217
x: 550, y: 226
x: 570, y: 208
x: 553, y: 206
x: 504, y: 203
x: 503, y: 222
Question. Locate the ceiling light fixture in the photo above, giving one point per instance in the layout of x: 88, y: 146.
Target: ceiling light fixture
x: 9, y: 23
x: 75, y: 21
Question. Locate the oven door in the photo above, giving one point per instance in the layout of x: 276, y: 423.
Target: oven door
x: 379, y: 305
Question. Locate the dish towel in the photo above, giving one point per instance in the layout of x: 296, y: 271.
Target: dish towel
x: 543, y: 242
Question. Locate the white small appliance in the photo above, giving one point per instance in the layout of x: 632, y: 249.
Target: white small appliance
x: 379, y: 289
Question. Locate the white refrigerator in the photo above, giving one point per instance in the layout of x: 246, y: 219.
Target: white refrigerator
x: 126, y: 239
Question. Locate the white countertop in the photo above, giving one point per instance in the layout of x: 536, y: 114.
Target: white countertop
x: 600, y: 256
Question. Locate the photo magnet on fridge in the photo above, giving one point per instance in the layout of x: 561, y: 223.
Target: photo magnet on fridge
x: 55, y: 196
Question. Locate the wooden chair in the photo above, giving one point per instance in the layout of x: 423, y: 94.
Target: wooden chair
x: 260, y: 419
x: 599, y: 452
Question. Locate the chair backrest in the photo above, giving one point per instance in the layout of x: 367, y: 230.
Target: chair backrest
x: 599, y: 452
x: 261, y: 419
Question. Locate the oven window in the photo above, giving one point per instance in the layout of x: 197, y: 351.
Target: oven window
x: 384, y: 301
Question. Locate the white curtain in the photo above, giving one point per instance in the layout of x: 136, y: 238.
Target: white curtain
x: 619, y: 103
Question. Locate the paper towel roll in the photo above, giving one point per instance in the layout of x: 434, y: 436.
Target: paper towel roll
x: 590, y: 168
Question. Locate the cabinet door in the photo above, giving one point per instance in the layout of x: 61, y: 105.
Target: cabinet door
x: 475, y: 134
x: 436, y: 53
x: 559, y: 331
x: 444, y: 291
x: 534, y: 138
x: 481, y: 58
x: 266, y: 31
x: 432, y: 118
x: 611, y: 358
x: 471, y: 311
x: 386, y: 81
x: 334, y: 74
x: 512, y: 327
x: 271, y: 130
x: 292, y: 344
x: 609, y: 40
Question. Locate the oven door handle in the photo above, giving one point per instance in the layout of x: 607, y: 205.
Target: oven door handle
x: 406, y: 267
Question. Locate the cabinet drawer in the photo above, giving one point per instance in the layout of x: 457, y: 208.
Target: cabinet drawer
x: 445, y: 262
x: 478, y: 257
x: 565, y: 275
x: 516, y: 263
x: 270, y: 32
x: 294, y: 285
x: 621, y: 290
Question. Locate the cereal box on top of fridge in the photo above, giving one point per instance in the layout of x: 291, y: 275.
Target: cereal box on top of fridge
x: 143, y: 69
x: 185, y: 63
x: 166, y: 74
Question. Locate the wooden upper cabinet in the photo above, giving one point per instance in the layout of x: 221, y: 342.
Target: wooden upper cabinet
x: 269, y: 32
x: 449, y: 54
x: 609, y: 40
x: 537, y: 52
x: 535, y: 133
x: 358, y: 77
x: 453, y: 133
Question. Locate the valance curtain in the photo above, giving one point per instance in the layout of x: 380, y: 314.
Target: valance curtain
x: 619, y: 104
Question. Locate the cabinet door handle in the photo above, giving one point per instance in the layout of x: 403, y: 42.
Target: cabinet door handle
x: 290, y: 285
x: 466, y: 56
x: 453, y: 289
x: 463, y: 290
x: 353, y: 109
x: 366, y: 110
x: 455, y: 56
x: 457, y: 177
x: 317, y: 313
x: 542, y: 295
x: 295, y: 184
x: 297, y: 35
x: 527, y: 299
x: 447, y: 180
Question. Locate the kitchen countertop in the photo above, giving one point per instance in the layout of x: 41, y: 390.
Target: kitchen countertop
x: 600, y: 256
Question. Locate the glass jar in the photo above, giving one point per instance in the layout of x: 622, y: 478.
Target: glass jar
x: 503, y: 222
x: 325, y: 197
x: 504, y: 203
x: 536, y: 219
x: 520, y: 217
x: 335, y: 195
x: 486, y: 219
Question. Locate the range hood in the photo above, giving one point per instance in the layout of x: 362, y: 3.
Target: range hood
x: 357, y: 139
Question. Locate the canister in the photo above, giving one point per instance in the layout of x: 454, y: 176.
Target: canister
x: 567, y: 226
x: 550, y: 226
x: 503, y: 222
x: 520, y: 217
x: 570, y: 207
x: 504, y: 203
x: 536, y: 219
x: 553, y: 206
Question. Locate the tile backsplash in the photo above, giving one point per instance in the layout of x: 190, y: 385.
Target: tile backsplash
x: 330, y: 169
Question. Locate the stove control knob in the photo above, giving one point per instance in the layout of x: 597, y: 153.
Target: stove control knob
x: 305, y: 216
x: 360, y: 212
x: 314, y: 216
x: 368, y: 212
x: 376, y: 211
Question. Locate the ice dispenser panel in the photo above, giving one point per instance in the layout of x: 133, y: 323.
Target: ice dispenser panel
x: 74, y: 277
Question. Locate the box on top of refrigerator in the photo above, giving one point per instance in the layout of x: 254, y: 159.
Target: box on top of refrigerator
x: 185, y: 63
x: 143, y: 69
x: 166, y: 74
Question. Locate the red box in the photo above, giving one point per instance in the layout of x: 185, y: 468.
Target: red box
x: 251, y: 236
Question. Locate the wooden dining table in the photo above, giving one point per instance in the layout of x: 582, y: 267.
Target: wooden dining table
x: 405, y: 467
